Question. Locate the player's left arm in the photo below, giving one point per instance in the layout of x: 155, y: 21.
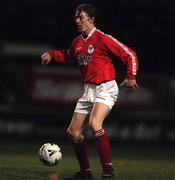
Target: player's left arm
x: 128, y: 57
x: 130, y: 84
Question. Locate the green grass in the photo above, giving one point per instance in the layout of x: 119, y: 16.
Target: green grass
x: 20, y: 162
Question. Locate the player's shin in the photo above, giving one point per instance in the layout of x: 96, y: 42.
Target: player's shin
x: 82, y: 153
x: 103, y: 147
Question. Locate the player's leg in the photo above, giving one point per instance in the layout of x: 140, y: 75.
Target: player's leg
x: 106, y: 96
x: 97, y: 117
x: 76, y: 125
x: 80, y: 145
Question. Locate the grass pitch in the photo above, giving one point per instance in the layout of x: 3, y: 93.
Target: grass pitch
x: 20, y: 161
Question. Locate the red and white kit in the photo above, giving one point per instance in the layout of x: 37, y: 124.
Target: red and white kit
x: 94, y: 56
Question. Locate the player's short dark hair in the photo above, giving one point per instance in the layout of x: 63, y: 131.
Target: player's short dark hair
x: 87, y: 8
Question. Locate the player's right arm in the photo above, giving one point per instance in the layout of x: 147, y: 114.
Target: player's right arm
x: 60, y: 56
x: 45, y: 58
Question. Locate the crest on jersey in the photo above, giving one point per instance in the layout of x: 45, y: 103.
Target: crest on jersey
x: 90, y: 49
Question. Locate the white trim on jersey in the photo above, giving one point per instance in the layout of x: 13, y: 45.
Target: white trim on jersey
x: 133, y: 59
x: 90, y: 34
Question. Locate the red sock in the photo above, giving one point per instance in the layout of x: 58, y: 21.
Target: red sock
x: 82, y: 153
x: 103, y: 147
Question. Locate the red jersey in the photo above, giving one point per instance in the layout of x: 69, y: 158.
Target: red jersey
x: 94, y: 56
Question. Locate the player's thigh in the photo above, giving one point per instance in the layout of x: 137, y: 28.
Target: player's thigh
x: 77, y: 123
x: 98, y: 114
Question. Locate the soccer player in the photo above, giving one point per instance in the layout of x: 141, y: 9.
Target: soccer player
x: 93, y: 50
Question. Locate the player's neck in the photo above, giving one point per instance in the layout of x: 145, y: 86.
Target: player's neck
x: 88, y: 32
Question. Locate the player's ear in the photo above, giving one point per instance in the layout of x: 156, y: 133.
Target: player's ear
x: 92, y: 20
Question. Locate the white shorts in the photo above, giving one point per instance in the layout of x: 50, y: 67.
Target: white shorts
x: 105, y: 93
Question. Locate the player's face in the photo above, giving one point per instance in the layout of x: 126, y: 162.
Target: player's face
x: 84, y: 23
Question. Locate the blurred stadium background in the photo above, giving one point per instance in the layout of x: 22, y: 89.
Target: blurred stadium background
x: 36, y: 103
x: 39, y: 101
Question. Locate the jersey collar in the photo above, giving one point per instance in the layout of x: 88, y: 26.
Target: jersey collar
x: 90, y: 34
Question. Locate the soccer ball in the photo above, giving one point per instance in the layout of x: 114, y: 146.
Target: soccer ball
x: 50, y: 154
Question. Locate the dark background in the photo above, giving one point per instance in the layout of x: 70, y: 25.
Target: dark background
x: 28, y: 28
x: 146, y: 26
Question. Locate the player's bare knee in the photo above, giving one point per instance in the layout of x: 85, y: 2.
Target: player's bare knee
x: 94, y: 126
x: 72, y: 133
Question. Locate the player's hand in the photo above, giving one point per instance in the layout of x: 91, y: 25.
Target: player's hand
x: 130, y: 84
x: 45, y: 58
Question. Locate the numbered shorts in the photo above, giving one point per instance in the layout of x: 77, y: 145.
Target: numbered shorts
x: 106, y: 93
